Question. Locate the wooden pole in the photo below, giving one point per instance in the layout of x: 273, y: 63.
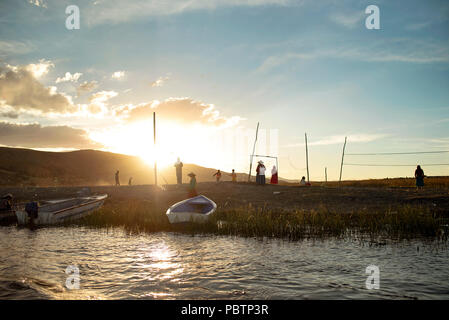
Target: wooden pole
x: 252, y: 155
x: 325, y: 173
x: 342, y: 159
x: 307, y: 159
x: 155, y: 156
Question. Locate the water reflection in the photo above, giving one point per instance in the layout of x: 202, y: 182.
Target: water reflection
x: 114, y: 265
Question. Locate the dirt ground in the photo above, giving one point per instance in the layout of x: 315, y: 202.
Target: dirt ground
x: 228, y: 195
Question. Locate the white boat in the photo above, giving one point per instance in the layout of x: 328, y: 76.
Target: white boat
x: 60, y: 211
x: 196, y: 209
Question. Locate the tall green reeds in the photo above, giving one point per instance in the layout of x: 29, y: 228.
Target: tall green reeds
x: 400, y: 222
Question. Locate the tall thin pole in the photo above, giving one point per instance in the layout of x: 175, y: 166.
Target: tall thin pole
x: 342, y: 159
x: 252, y: 155
x: 307, y: 159
x: 155, y: 155
x: 325, y: 173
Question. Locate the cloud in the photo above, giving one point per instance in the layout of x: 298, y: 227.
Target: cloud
x: 86, y: 87
x: 348, y: 20
x: 184, y: 110
x: 339, y: 139
x: 118, y: 75
x: 39, y: 69
x: 117, y: 11
x: 98, y: 101
x: 14, y: 48
x: 20, y: 89
x: 69, y: 77
x: 159, y: 82
x: 38, y: 3
x: 404, y: 50
x: 37, y: 136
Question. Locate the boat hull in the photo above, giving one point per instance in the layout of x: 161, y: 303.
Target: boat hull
x: 196, y: 210
x: 62, y: 211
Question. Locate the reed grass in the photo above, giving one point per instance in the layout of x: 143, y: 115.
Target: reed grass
x: 402, y: 222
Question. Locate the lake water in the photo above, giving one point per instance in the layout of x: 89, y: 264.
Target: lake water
x: 114, y: 265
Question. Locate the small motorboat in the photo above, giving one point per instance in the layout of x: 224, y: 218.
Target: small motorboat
x: 58, y: 211
x: 196, y: 209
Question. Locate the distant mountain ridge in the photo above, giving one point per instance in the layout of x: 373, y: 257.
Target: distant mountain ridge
x: 27, y: 167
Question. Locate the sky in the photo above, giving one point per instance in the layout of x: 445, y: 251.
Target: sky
x: 212, y: 69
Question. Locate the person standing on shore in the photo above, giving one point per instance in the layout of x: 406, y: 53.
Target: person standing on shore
x: 274, y: 175
x: 233, y: 176
x: 192, y: 185
x: 217, y: 175
x: 117, y: 178
x: 130, y: 181
x: 260, y: 170
x: 419, y: 176
x: 178, y: 166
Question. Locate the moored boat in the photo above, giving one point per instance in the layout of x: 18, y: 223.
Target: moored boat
x: 59, y: 211
x: 196, y: 209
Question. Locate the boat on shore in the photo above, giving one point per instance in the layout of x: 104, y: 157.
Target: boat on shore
x: 196, y: 209
x: 58, y: 211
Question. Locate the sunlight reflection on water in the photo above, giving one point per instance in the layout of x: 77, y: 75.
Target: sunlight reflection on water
x: 114, y: 265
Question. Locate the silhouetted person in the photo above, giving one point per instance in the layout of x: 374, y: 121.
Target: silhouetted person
x: 6, y: 202
x: 217, y: 175
x: 303, y: 181
x: 130, y: 181
x: 419, y: 176
x: 178, y: 166
x: 233, y: 176
x: 192, y: 185
x: 117, y: 178
x: 260, y: 170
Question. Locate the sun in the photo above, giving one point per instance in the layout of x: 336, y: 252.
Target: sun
x: 192, y: 143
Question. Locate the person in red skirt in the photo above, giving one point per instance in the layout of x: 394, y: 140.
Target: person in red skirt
x: 274, y: 175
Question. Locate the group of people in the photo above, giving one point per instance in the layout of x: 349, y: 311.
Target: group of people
x: 260, y: 174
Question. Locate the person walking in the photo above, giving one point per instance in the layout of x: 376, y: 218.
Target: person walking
x: 217, y: 175
x: 117, y: 178
x: 260, y: 170
x: 178, y: 166
x: 274, y: 175
x: 192, y: 185
x: 130, y: 181
x: 419, y: 176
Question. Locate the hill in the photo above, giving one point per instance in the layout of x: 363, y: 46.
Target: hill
x: 26, y: 167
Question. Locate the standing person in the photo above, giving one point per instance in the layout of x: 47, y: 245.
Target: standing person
x: 233, y: 176
x: 419, y: 176
x: 117, y: 178
x: 178, y: 166
x: 274, y: 175
x: 130, y: 181
x: 217, y: 175
x: 260, y: 170
x: 192, y: 185
x: 303, y: 181
x: 6, y: 202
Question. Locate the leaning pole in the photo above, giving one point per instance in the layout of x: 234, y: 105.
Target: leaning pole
x: 155, y: 155
x: 342, y: 159
x: 252, y: 155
